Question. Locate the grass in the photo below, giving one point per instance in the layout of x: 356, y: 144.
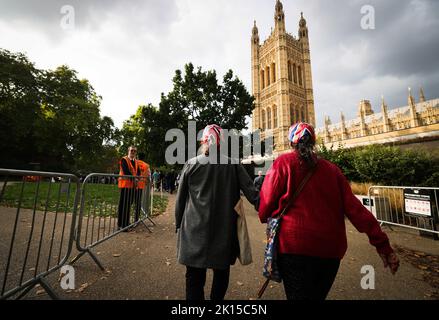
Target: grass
x: 100, y: 199
x: 361, y: 189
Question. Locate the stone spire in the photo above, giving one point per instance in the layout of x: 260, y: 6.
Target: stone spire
x: 327, y: 124
x: 421, y: 95
x: 386, y: 124
x: 344, y: 133
x: 255, y: 33
x: 279, y: 17
x: 303, y: 29
x: 411, y: 99
x: 413, y: 114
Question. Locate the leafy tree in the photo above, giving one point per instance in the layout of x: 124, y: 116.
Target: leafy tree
x: 52, y: 118
x: 197, y: 96
x: 145, y: 130
x: 20, y: 96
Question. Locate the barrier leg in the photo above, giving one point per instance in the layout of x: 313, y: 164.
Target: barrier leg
x: 96, y: 260
x: 147, y: 228
x: 153, y: 223
x: 92, y: 255
x: 44, y: 285
x: 48, y: 289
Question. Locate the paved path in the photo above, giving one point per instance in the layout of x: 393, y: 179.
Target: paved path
x: 141, y: 265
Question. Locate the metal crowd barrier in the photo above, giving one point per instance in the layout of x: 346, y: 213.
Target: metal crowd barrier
x: 106, y: 210
x: 408, y: 207
x: 37, y: 223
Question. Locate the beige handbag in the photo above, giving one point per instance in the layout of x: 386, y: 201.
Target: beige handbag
x: 245, y: 250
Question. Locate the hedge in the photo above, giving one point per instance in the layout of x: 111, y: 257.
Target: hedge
x: 386, y: 165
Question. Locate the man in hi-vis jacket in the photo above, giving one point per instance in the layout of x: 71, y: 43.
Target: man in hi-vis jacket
x: 129, y: 169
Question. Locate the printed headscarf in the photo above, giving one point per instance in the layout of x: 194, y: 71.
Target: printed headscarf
x: 299, y: 130
x: 212, y: 135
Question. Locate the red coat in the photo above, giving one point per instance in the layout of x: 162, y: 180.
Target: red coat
x: 315, y: 224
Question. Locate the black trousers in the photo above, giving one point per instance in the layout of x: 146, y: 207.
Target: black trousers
x: 127, y: 196
x: 138, y: 204
x: 307, y: 278
x: 196, y: 280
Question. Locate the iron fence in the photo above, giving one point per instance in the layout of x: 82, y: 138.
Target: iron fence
x: 408, y: 207
x: 37, y: 221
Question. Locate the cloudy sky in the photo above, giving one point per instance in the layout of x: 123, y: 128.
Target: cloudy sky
x: 129, y: 50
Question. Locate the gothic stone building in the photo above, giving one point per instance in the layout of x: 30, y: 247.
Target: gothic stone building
x: 283, y: 91
x: 417, y: 120
x: 281, y: 80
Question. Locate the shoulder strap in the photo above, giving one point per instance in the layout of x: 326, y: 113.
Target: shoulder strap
x: 300, y: 188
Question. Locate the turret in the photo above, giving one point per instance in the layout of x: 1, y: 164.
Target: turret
x: 279, y: 17
x: 386, y: 123
x: 303, y: 29
x: 256, y: 81
x: 414, y: 122
x: 344, y: 133
x: 306, y: 72
x: 327, y: 134
x: 421, y: 95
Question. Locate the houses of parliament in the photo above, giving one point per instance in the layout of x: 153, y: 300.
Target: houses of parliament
x: 283, y: 90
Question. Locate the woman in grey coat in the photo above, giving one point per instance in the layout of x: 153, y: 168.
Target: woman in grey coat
x: 206, y: 221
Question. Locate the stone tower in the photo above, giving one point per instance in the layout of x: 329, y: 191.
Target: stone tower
x: 281, y: 80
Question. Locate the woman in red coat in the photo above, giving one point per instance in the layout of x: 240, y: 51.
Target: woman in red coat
x: 312, y: 238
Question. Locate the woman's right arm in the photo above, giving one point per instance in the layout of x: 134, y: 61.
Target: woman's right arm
x: 361, y: 218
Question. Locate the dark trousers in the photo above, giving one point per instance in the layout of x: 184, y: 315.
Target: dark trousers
x: 127, y: 197
x: 307, y: 278
x: 196, y: 280
x: 138, y: 204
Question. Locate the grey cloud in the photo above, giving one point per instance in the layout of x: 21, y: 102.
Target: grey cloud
x: 134, y: 16
x: 400, y: 52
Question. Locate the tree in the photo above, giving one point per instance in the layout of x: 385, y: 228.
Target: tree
x: 145, y: 130
x: 197, y: 96
x: 52, y: 118
x: 20, y: 97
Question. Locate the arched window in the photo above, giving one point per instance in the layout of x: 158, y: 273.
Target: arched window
x: 290, y: 76
x: 295, y: 73
x: 299, y: 71
x: 267, y: 75
x: 268, y: 118
x: 273, y: 72
x: 263, y: 120
x: 275, y: 117
x: 292, y: 116
x: 302, y: 116
x: 297, y: 115
x: 262, y: 79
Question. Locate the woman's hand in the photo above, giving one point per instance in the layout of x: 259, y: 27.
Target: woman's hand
x: 390, y: 260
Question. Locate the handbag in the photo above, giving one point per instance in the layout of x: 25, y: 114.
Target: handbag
x: 271, y: 270
x: 245, y: 250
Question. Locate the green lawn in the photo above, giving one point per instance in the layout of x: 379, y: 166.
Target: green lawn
x: 99, y: 200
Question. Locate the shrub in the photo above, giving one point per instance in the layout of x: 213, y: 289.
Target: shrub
x: 386, y: 165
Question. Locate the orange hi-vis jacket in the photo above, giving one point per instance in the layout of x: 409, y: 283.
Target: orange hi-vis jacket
x: 144, y: 174
x: 128, y: 183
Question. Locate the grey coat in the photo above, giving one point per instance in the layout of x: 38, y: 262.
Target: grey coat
x: 204, y: 213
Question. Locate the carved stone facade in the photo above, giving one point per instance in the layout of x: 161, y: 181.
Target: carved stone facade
x: 417, y: 120
x: 281, y: 80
